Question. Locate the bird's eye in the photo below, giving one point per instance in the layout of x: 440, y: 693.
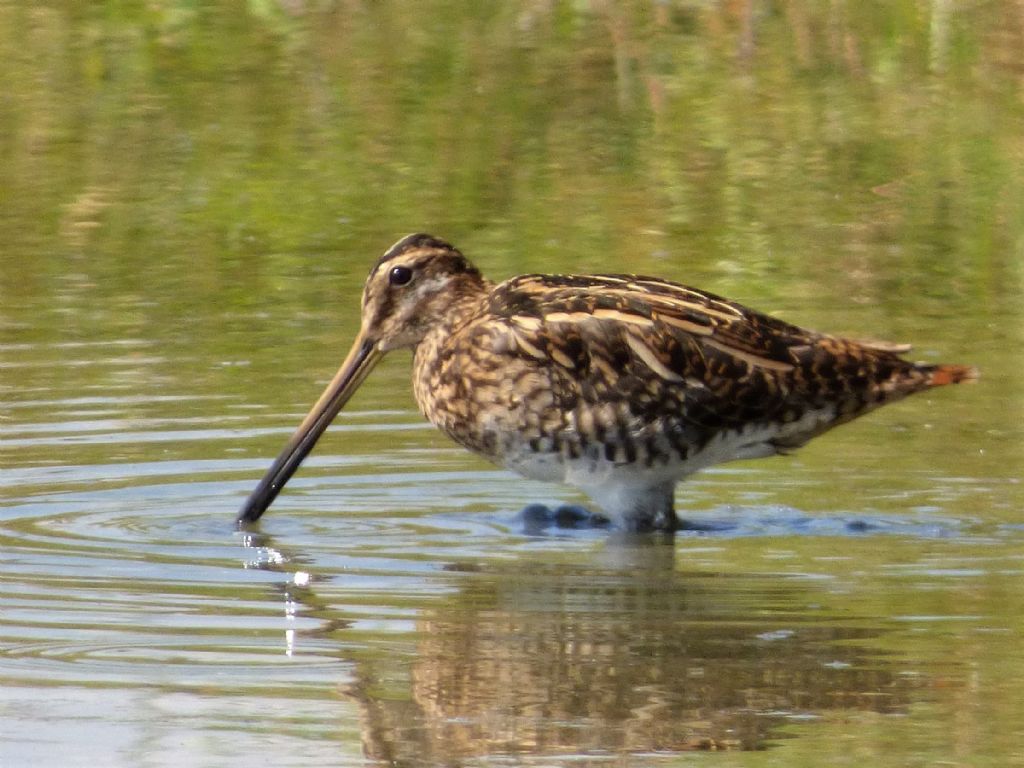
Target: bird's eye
x: 400, y: 275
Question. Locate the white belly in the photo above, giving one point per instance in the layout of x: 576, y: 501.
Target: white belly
x: 619, y: 488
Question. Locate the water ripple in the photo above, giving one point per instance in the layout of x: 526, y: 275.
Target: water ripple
x: 123, y: 571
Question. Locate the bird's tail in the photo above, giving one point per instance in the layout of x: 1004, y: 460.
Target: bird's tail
x: 941, y: 375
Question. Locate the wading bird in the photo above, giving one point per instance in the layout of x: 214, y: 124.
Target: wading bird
x: 619, y: 385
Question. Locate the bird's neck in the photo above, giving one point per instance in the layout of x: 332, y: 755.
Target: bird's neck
x: 462, y: 303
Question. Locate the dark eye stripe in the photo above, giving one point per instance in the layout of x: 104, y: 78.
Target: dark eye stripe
x: 400, y: 275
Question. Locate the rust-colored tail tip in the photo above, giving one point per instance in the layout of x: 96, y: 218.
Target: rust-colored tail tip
x: 942, y: 375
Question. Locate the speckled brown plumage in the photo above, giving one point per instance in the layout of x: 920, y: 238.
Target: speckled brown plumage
x: 618, y: 384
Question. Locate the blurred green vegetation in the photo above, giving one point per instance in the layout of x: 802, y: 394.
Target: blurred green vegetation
x: 232, y: 144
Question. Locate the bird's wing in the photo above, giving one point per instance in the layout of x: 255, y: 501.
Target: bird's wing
x: 670, y: 348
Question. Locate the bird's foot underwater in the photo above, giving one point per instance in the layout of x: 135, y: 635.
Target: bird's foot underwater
x: 539, y: 517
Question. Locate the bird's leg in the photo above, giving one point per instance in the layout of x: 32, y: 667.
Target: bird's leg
x: 640, y: 509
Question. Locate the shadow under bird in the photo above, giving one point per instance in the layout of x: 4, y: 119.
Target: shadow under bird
x: 619, y: 385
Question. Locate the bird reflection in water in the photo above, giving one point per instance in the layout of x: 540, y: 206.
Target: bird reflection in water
x: 621, y: 655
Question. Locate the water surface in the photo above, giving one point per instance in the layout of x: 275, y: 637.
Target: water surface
x: 190, y: 198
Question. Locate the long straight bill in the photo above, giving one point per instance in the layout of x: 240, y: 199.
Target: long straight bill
x: 360, y: 361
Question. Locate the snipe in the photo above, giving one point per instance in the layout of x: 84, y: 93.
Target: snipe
x: 616, y: 384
